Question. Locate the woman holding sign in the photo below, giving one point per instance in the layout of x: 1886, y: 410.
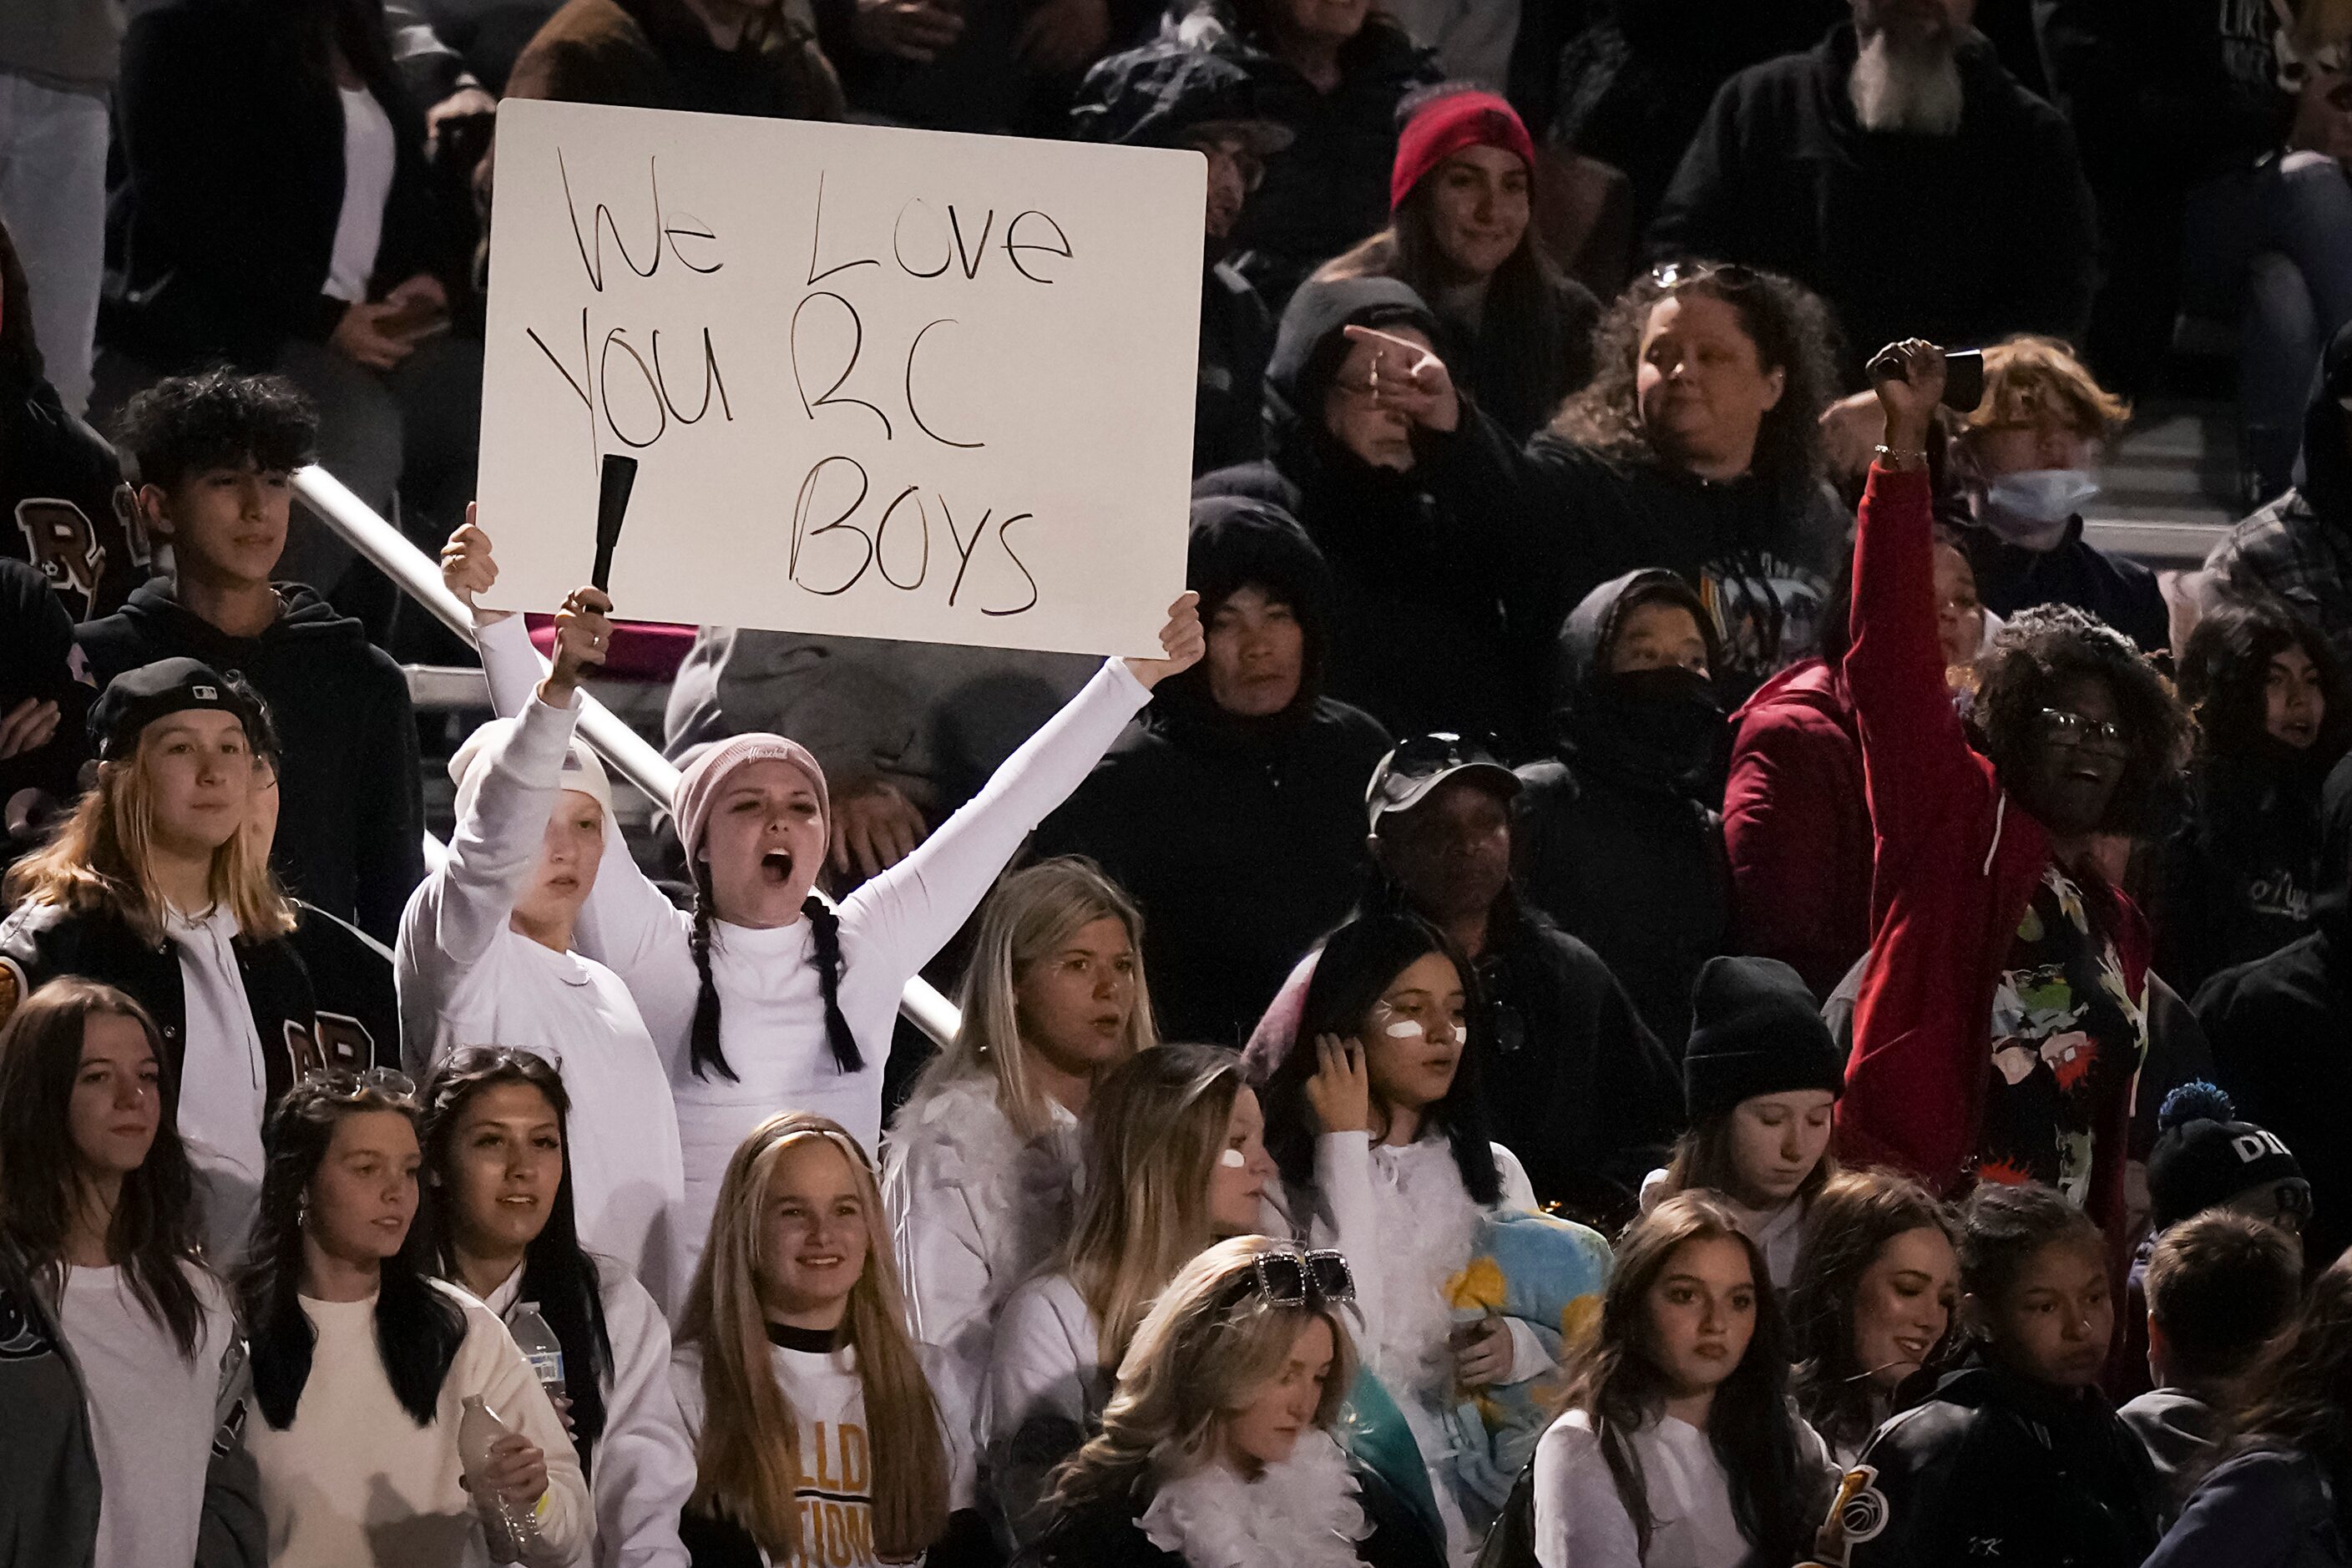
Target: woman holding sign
x: 766, y: 996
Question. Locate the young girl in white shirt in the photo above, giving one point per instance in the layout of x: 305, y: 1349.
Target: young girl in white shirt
x: 1175, y: 1161
x: 981, y: 1170
x: 767, y: 996
x: 497, y: 1220
x: 1375, y: 1117
x: 486, y: 956
x: 816, y: 1439
x: 1677, y: 1448
x: 362, y: 1363
x: 97, y: 1212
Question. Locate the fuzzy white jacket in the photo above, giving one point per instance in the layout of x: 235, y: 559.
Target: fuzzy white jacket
x: 770, y: 1013
x: 468, y: 978
x: 644, y: 1464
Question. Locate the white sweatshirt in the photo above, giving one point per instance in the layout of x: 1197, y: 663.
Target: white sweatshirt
x: 974, y: 1210
x: 644, y: 1468
x: 1407, y: 1225
x: 1581, y: 1522
x: 151, y: 1410
x: 772, y: 1013
x: 354, y: 1482
x: 1044, y: 1367
x: 466, y: 978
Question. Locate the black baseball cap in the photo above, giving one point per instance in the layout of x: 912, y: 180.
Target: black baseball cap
x: 1407, y: 774
x: 137, y: 697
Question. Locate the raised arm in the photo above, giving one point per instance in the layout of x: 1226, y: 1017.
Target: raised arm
x: 908, y: 914
x: 1916, y: 757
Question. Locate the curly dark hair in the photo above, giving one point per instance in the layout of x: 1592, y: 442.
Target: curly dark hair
x: 184, y: 424
x: 2225, y: 670
x: 2044, y: 648
x: 1794, y: 332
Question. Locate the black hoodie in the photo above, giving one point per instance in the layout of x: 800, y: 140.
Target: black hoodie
x: 350, y: 816
x: 1242, y: 839
x: 1991, y: 1468
x: 1439, y: 617
x: 2279, y: 1029
x: 2299, y: 547
x: 1610, y: 839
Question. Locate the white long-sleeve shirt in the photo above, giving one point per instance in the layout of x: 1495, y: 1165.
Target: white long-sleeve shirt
x: 771, y: 1013
x: 1045, y: 1370
x: 354, y: 1482
x: 468, y: 978
x: 1581, y: 1522
x: 644, y: 1468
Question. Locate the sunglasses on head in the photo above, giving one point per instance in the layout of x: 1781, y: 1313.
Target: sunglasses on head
x: 342, y: 1083
x: 1301, y: 1278
x: 1672, y: 274
x: 1429, y: 753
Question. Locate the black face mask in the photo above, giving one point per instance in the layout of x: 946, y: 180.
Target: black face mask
x: 1668, y: 720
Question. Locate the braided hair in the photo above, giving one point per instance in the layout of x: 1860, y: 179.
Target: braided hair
x: 824, y: 926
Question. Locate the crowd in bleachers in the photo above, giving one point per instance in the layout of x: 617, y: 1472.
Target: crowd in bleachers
x: 1672, y: 965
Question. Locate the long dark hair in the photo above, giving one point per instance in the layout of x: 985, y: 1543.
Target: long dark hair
x: 1620, y: 1388
x: 2301, y: 1394
x: 1358, y: 962
x: 2046, y: 646
x: 417, y: 1328
x: 1849, y: 1224
x: 703, y: 1049
x: 556, y: 1273
x: 2225, y: 669
x: 1793, y: 333
x: 153, y: 1236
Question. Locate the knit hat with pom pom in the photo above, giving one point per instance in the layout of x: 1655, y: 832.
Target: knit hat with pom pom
x: 2205, y: 1156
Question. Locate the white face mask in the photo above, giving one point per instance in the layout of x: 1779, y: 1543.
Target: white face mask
x: 2036, y: 500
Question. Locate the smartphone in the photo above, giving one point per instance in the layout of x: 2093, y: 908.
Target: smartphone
x: 1963, y: 376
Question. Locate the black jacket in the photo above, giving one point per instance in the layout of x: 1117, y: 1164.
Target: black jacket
x: 1518, y: 376
x: 1103, y: 1533
x: 1990, y: 1468
x: 1611, y: 843
x: 1576, y: 1085
x: 1962, y: 240
x: 1329, y: 188
x: 2266, y: 1508
x: 351, y: 799
x: 39, y: 787
x: 2121, y: 593
x: 232, y: 146
x: 1243, y: 839
x: 1237, y: 340
x: 63, y: 505
x: 2278, y: 1027
x: 2240, y: 871
x: 1439, y: 613
x: 343, y: 1015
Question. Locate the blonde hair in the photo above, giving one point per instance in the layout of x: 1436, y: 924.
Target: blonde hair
x: 2033, y: 381
x: 1156, y: 1128
x: 101, y: 859
x: 1026, y: 920
x: 1207, y: 1346
x: 747, y: 1457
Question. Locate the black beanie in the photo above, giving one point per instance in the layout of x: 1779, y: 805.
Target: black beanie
x: 1755, y: 1029
x: 2205, y: 1156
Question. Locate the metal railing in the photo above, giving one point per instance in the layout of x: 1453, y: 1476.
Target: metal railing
x: 624, y: 750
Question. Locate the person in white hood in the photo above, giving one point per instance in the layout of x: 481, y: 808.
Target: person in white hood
x: 486, y: 955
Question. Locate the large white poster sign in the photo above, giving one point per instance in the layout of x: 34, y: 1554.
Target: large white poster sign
x: 879, y: 383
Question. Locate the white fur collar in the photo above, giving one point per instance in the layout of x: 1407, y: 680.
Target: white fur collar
x: 1302, y: 1513
x: 1022, y: 1194
x: 1429, y: 1225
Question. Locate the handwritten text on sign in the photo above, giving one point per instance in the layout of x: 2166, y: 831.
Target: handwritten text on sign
x: 881, y: 382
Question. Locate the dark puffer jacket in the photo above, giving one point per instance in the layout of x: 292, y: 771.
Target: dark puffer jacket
x: 1243, y: 838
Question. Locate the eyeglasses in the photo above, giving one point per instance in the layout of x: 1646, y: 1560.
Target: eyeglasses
x: 342, y: 1083
x: 1672, y: 274
x: 2085, y: 734
x: 1302, y: 1278
x: 1235, y: 151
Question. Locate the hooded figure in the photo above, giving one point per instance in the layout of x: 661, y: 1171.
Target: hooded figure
x: 2299, y: 547
x: 1436, y: 615
x: 2277, y: 1027
x: 1613, y: 842
x: 1240, y: 835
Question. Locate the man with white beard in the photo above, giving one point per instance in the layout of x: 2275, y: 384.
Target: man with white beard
x: 1901, y: 171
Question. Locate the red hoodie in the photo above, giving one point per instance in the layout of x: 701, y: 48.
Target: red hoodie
x: 1956, y: 863
x: 1797, y: 826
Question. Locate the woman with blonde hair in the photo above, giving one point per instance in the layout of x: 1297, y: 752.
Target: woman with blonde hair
x: 155, y: 886
x: 815, y: 1433
x: 980, y: 1171
x: 1175, y: 1161
x: 1216, y: 1449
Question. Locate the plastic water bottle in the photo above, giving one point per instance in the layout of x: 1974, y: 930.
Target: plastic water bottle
x: 505, y: 1531
x: 541, y: 1349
